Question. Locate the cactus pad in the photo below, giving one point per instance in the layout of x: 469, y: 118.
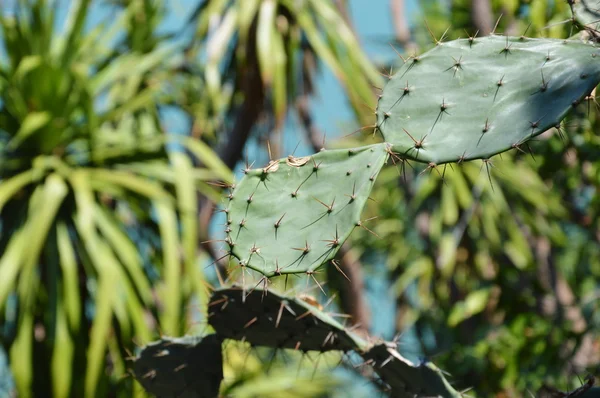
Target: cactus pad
x: 587, y: 12
x: 477, y: 97
x: 265, y: 318
x: 406, y: 379
x: 293, y: 215
x: 190, y: 367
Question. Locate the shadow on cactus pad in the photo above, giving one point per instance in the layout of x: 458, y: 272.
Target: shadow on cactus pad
x: 405, y: 379
x: 185, y: 367
x: 266, y: 318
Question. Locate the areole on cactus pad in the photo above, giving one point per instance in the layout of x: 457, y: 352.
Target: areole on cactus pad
x: 293, y: 215
x: 477, y: 97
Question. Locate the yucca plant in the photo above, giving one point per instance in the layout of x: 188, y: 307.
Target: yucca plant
x: 260, y: 58
x: 98, y: 215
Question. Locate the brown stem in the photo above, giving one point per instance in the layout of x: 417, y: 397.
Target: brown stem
x: 481, y: 16
x: 342, y: 8
x: 351, y: 290
x: 401, y: 29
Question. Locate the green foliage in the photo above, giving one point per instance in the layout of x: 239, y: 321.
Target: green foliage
x: 181, y: 367
x: 474, y: 98
x: 283, y: 39
x: 285, y: 218
x: 77, y: 181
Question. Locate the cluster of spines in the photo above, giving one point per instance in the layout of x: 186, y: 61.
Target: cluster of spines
x: 459, y: 64
x: 331, y: 205
x: 264, y: 318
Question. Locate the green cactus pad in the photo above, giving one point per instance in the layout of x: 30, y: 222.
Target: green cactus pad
x: 474, y: 98
x: 587, y: 12
x: 190, y: 367
x: 265, y: 318
x: 406, y: 379
x: 293, y: 215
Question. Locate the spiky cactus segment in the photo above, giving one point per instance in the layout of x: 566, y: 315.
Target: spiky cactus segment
x: 587, y: 12
x: 405, y: 379
x: 586, y: 390
x: 190, y: 367
x: 266, y: 318
x: 477, y: 97
x: 293, y: 215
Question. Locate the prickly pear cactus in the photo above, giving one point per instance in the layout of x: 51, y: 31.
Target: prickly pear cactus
x: 586, y: 390
x: 190, y: 367
x: 405, y: 379
x: 587, y: 12
x: 477, y: 97
x: 293, y: 215
x: 265, y: 318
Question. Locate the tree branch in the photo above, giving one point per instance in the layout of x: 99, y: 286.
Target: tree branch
x: 481, y: 16
x: 401, y: 29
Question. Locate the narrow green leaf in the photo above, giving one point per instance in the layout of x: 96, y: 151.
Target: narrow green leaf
x: 130, y: 65
x: 125, y: 250
x: 42, y: 217
x: 461, y: 189
x: 11, y: 262
x: 331, y: 19
x: 279, y: 61
x: 449, y: 205
x: 264, y: 40
x: 247, y: 9
x: 24, y: 248
x: 21, y: 354
x: 33, y: 122
x: 26, y: 65
x: 171, y: 291
x: 100, y: 329
x: 141, y: 186
x: 70, y: 277
x: 447, y: 254
x: 90, y: 215
x: 64, y: 45
x: 62, y: 353
x: 207, y: 156
x: 136, y: 312
x: 473, y: 304
x: 12, y: 185
x: 139, y: 100
x: 108, y: 278
x: 188, y: 210
x: 217, y: 44
x: 212, y: 9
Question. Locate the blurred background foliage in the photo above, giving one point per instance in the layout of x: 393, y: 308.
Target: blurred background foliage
x: 118, y: 132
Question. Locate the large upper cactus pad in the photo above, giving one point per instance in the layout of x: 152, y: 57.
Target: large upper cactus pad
x: 190, y: 367
x: 293, y: 215
x: 587, y: 12
x: 477, y: 97
x: 265, y: 318
x: 405, y: 379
